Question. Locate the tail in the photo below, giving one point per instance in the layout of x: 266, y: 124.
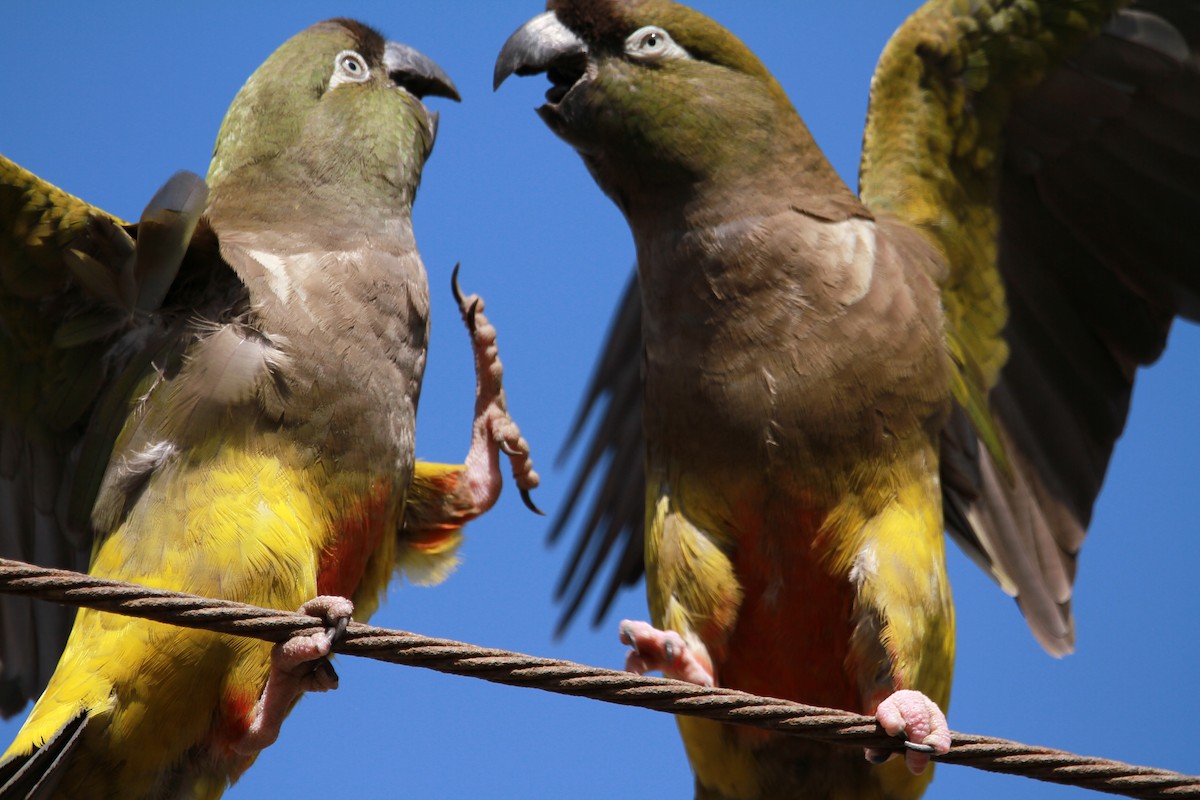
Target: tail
x: 35, y: 775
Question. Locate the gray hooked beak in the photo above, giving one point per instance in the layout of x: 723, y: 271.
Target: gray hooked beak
x: 417, y: 72
x: 541, y: 45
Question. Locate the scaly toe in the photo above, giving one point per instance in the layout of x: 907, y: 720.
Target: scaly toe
x: 911, y: 714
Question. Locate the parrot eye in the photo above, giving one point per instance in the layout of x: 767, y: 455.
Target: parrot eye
x: 349, y: 67
x: 652, y: 43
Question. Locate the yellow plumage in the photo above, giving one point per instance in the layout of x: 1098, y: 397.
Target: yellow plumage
x: 266, y: 519
x: 834, y: 599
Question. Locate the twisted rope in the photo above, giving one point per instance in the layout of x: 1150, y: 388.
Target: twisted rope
x: 566, y: 677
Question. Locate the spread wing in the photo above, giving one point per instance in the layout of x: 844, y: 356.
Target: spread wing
x: 80, y: 296
x: 1053, y: 156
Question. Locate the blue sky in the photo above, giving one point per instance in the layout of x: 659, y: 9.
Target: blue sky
x: 107, y: 104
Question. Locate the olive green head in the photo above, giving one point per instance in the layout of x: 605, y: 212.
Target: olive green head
x: 650, y: 91
x: 335, y: 105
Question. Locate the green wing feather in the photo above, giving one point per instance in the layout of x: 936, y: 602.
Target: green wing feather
x: 987, y: 121
x: 78, y: 292
x: 932, y: 155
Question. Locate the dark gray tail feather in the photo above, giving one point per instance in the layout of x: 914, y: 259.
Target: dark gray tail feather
x: 35, y: 776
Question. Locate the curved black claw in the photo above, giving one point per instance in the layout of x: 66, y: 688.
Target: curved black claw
x: 528, y: 501
x: 878, y: 757
x: 454, y: 287
x: 324, y: 665
x: 917, y: 747
x: 461, y: 299
x: 471, y: 316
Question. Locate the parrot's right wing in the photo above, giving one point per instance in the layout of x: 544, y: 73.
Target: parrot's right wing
x: 80, y: 299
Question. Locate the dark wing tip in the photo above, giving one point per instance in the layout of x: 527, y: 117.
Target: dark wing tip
x: 612, y: 468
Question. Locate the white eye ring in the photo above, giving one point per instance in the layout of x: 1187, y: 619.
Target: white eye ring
x: 652, y: 43
x: 349, y: 67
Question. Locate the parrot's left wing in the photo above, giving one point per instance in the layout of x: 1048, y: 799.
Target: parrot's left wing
x: 615, y: 464
x: 79, y: 295
x: 1051, y: 154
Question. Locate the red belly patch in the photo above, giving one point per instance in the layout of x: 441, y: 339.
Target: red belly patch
x: 793, y: 632
x: 358, y: 533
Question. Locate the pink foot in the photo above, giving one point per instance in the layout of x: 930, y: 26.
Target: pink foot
x: 913, y: 715
x: 494, y: 429
x: 663, y: 650
x: 298, y: 665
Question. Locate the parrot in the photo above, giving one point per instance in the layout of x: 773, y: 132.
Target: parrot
x: 220, y: 399
x: 804, y: 387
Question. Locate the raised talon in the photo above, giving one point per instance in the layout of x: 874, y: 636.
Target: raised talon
x: 471, y: 315
x: 527, y: 499
x: 494, y: 428
x: 468, y: 312
x: 454, y: 287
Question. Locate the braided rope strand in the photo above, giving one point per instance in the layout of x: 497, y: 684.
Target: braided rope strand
x: 566, y: 677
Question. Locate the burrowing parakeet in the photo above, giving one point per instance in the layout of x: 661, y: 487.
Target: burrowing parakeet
x: 221, y: 399
x: 829, y: 380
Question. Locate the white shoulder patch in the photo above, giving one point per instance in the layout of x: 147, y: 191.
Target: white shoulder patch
x: 852, y: 247
x: 280, y: 279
